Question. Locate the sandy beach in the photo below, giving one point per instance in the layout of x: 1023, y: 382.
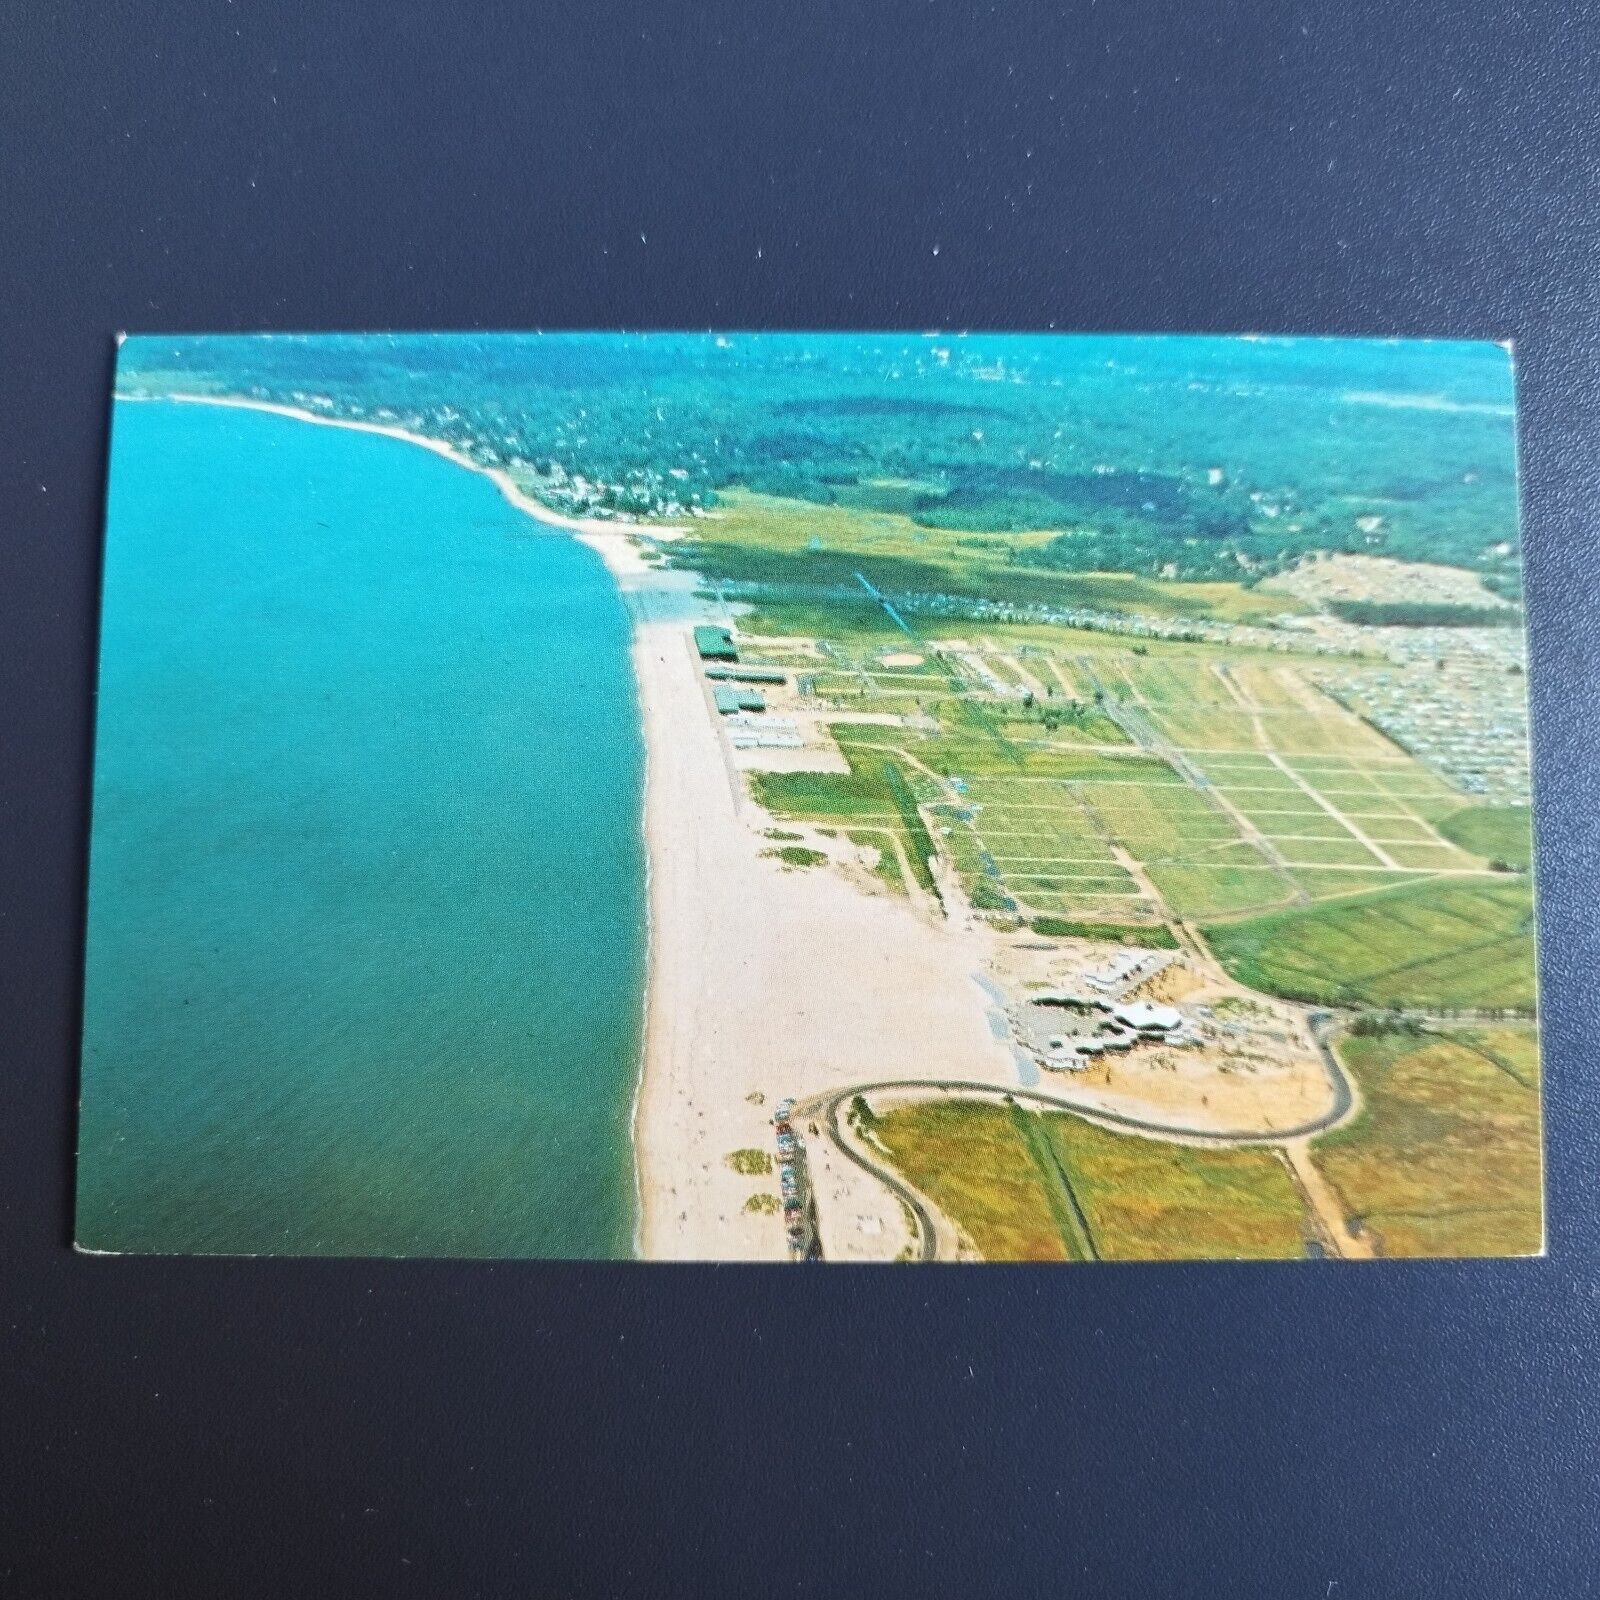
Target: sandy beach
x: 765, y: 982
x: 768, y: 983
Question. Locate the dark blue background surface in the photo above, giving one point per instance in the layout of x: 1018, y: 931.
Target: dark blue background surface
x: 282, y: 1428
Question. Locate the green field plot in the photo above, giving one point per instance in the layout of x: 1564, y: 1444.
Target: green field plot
x: 1345, y: 852
x: 1328, y: 883
x: 1290, y: 812
x: 1055, y: 667
x: 1387, y: 829
x: 1145, y: 1200
x: 1492, y: 833
x: 980, y: 746
x: 1144, y: 935
x: 970, y: 1161
x: 1162, y: 683
x: 1371, y: 807
x: 1444, y: 1156
x: 1433, y: 857
x: 1265, y: 686
x: 1206, y: 728
x: 1043, y: 726
x: 876, y: 791
x: 1170, y: 820
x: 1300, y: 826
x: 1196, y: 890
x: 1027, y: 1186
x: 1249, y: 785
x: 1035, y: 843
x: 1236, y: 852
x: 1443, y: 943
x: 1419, y: 790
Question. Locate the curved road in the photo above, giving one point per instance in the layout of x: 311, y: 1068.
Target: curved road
x: 1343, y: 1100
x: 927, y: 1241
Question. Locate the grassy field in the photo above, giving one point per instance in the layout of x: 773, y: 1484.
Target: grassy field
x: 1494, y: 833
x: 1082, y: 778
x: 1444, y: 1159
x: 757, y: 538
x: 1108, y: 932
x: 1449, y: 943
x: 1050, y: 1187
x: 1033, y: 788
x: 873, y: 801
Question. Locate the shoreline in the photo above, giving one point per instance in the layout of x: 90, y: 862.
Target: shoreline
x: 608, y: 539
x: 610, y: 542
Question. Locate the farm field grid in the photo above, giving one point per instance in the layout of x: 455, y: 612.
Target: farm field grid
x: 1086, y: 802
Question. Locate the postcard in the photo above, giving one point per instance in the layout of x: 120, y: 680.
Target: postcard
x: 876, y: 797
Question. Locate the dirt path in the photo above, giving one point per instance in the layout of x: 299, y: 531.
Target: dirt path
x: 1324, y: 1204
x: 1360, y: 834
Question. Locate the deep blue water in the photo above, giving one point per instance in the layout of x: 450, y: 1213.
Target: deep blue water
x: 366, y: 940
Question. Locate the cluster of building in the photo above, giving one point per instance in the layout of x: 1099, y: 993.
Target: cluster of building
x: 736, y: 697
x: 1456, y: 703
x: 1125, y: 970
x: 638, y: 491
x: 1107, y: 1027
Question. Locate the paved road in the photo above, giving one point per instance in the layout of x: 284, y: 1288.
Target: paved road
x: 928, y: 1242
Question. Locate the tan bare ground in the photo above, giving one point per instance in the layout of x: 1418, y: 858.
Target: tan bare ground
x: 901, y: 658
x: 1171, y: 984
x: 1381, y: 578
x: 1253, y: 1071
x: 1199, y: 1089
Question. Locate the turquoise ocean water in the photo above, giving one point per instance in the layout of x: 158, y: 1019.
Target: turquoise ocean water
x: 366, y: 941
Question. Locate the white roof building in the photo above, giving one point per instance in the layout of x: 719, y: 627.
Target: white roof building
x: 1147, y: 1017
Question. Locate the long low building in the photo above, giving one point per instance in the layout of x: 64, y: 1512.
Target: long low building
x: 714, y: 643
x: 743, y: 674
x: 730, y: 699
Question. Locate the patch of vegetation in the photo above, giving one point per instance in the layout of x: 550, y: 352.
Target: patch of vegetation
x: 987, y: 895
x: 1493, y: 833
x: 968, y: 1159
x: 797, y: 855
x: 780, y: 833
x: 874, y: 790
x: 859, y: 1115
x: 1146, y: 1200
x: 1444, y: 1158
x: 762, y: 1204
x: 1424, y: 614
x: 886, y: 868
x: 1383, y: 1024
x: 1026, y: 1186
x: 1152, y: 936
x: 1072, y: 1225
x: 1449, y: 944
x: 749, y: 1163
x: 1238, y: 1005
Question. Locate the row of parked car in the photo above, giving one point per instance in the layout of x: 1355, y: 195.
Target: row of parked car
x: 791, y: 1177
